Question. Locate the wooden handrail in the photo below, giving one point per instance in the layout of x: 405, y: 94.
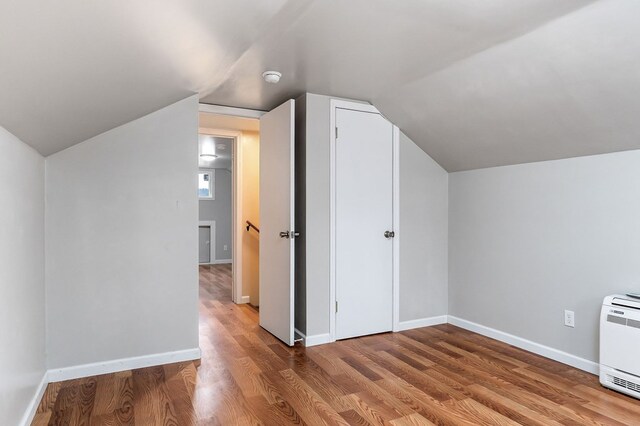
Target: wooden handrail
x: 251, y: 225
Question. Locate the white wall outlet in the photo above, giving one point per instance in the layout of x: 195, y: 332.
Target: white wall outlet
x: 569, y: 318
x: 225, y: 247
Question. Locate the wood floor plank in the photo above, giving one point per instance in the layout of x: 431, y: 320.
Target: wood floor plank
x: 298, y: 390
x: 411, y: 420
x: 510, y: 408
x: 41, y: 418
x: 425, y: 405
x: 480, y: 413
x: 440, y: 375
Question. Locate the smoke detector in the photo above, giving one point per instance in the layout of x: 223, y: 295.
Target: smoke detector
x: 271, y: 76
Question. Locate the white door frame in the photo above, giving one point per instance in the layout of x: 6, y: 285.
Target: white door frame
x: 231, y: 111
x: 212, y: 240
x: 355, y: 106
x: 236, y: 188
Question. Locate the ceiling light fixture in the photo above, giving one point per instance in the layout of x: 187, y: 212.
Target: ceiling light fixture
x: 271, y: 76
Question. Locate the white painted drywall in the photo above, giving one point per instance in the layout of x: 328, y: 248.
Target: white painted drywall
x: 122, y: 241
x: 316, y: 238
x: 423, y: 234
x: 220, y: 211
x: 529, y: 241
x: 22, y: 289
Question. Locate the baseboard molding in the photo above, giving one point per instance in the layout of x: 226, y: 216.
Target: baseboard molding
x: 528, y: 345
x: 30, y: 413
x: 315, y: 340
x: 422, y: 322
x: 106, y: 367
x: 221, y: 261
x: 245, y: 299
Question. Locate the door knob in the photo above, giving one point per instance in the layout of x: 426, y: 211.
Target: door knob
x: 389, y: 234
x: 289, y: 234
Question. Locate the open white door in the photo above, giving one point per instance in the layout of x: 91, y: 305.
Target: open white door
x: 277, y: 221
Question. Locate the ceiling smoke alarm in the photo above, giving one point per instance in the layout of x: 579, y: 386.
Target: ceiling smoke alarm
x: 271, y: 76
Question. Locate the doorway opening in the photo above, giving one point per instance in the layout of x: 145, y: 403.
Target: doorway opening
x: 262, y: 209
x: 229, y: 215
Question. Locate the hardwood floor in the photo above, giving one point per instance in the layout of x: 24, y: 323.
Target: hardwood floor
x: 437, y: 375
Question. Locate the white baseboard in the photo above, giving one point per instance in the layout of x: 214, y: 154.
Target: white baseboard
x: 528, y: 345
x: 94, y: 369
x: 318, y: 339
x: 245, y: 299
x: 221, y: 261
x: 30, y: 413
x: 422, y: 322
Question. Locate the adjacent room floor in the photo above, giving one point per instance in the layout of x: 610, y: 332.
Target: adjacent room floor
x: 436, y: 375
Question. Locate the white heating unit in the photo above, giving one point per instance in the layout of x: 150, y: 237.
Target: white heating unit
x: 620, y: 344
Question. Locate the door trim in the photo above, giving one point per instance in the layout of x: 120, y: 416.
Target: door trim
x: 232, y: 111
x: 355, y: 106
x: 396, y: 228
x: 212, y: 240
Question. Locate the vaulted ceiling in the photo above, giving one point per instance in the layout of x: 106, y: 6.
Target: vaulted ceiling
x: 474, y: 83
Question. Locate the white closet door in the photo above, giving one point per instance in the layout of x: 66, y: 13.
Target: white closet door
x: 277, y: 221
x: 364, y: 211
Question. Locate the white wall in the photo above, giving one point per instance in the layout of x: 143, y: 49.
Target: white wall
x: 317, y: 214
x: 423, y: 234
x: 122, y: 242
x: 22, y: 288
x: 528, y: 241
x: 220, y: 211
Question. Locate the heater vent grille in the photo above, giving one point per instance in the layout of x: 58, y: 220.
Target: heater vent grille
x: 624, y: 383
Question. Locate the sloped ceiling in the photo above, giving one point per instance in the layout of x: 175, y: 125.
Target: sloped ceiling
x: 474, y: 83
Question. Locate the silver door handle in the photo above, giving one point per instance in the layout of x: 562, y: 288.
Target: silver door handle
x: 289, y: 234
x: 389, y: 234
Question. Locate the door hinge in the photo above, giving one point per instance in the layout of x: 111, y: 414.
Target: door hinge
x: 336, y: 306
x: 336, y: 132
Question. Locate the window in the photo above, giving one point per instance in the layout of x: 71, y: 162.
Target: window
x: 206, y: 184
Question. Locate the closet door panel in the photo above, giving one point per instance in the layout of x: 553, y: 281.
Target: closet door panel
x: 364, y: 211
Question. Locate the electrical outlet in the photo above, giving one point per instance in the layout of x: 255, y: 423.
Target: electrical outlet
x: 569, y: 318
x: 225, y: 247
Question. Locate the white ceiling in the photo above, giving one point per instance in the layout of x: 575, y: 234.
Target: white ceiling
x: 474, y: 83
